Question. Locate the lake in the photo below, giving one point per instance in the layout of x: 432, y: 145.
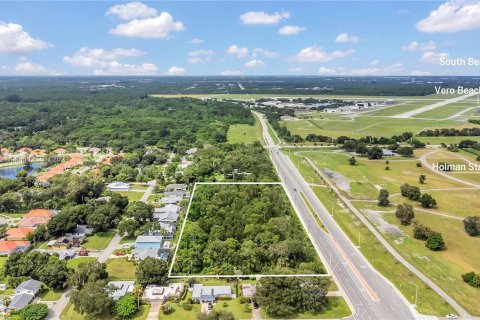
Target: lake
x: 11, y: 172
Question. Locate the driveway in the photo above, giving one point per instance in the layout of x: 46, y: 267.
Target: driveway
x: 155, y: 306
x: 256, y: 313
x: 108, y: 251
x: 204, y: 308
x: 56, y: 308
x: 148, y: 192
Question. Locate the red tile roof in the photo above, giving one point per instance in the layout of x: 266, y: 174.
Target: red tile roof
x: 18, y: 233
x: 32, y: 222
x: 39, y: 213
x: 10, y: 245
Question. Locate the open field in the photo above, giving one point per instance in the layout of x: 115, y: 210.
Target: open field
x: 131, y: 195
x: 70, y: 314
x: 366, y: 125
x: 446, y: 140
x: 99, y: 240
x: 121, y: 269
x: 139, y: 186
x: 399, y: 109
x: 244, y: 133
x: 447, y: 266
x: 73, y: 263
x: 234, y: 306
x: 447, y: 110
x: 458, y: 158
x: 51, y: 295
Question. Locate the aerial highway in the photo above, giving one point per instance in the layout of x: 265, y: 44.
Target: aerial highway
x: 368, y: 293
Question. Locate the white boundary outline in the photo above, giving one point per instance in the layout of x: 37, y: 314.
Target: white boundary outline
x: 170, y: 276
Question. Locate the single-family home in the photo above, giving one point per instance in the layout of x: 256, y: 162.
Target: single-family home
x: 18, y: 233
x: 148, y: 242
x: 176, y: 193
x: 81, y: 231
x: 8, y: 247
x: 44, y: 213
x: 171, y: 200
x: 32, y: 222
x: 248, y: 290
x: 62, y: 243
x: 156, y: 292
x: 142, y: 254
x: 388, y: 153
x: 30, y: 286
x: 121, y: 288
x: 168, y: 213
x: 168, y: 230
x: 203, y: 293
x: 191, y: 151
x: 62, y: 254
x: 118, y: 186
x: 24, y: 294
x: 20, y: 301
x: 59, y: 151
x: 176, y: 187
x: 94, y: 150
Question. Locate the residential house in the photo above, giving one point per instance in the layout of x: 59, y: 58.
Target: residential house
x: 191, y: 151
x: 203, y: 293
x: 62, y: 243
x: 32, y: 222
x: 176, y: 187
x: 148, y: 242
x: 121, y: 288
x: 175, y: 193
x: 24, y: 294
x: 388, y: 153
x: 59, y: 151
x: 95, y: 150
x: 142, y: 254
x: 81, y: 231
x: 18, y: 233
x: 171, y: 200
x: 118, y: 186
x: 8, y: 247
x: 63, y: 254
x: 168, y: 230
x: 162, y: 293
x: 40, y: 213
x: 248, y: 290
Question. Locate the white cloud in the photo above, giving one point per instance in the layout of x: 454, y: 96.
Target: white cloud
x: 4, y: 68
x: 176, y: 71
x: 158, y: 27
x: 434, y: 57
x: 417, y: 46
x: 327, y: 71
x: 296, y: 69
x: 199, y: 56
x: 267, y: 54
x: 345, y: 38
x: 27, y: 68
x: 237, y: 51
x: 231, y: 73
x: 117, y: 68
x: 290, y: 30
x: 452, y: 16
x: 131, y: 11
x: 261, y: 17
x: 375, y: 62
x: 419, y: 73
x: 196, y: 41
x: 14, y: 40
x: 254, y: 63
x: 104, y: 62
x: 315, y: 54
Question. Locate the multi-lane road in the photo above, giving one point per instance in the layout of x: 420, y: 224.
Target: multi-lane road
x: 368, y: 293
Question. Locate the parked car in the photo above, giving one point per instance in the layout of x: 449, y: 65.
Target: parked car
x: 209, y: 306
x: 451, y: 316
x: 255, y: 305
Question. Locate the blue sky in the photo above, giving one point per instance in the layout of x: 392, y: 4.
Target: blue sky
x: 229, y: 38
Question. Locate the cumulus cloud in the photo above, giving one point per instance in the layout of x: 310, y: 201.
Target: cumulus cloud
x: 417, y: 46
x: 393, y: 69
x: 14, y: 40
x: 231, y: 73
x: 296, y: 69
x: 261, y: 17
x: 176, y: 71
x: 290, y: 30
x: 452, y: 16
x: 374, y: 62
x: 27, y: 68
x: 200, y: 56
x: 237, y: 51
x: 254, y: 63
x: 434, y: 57
x: 267, y: 54
x: 345, y: 38
x: 315, y: 54
x: 104, y: 62
x: 159, y: 27
x: 196, y: 41
x: 327, y: 71
x: 419, y: 73
x: 131, y: 11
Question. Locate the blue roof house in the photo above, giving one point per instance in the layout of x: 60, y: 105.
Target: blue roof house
x: 149, y: 242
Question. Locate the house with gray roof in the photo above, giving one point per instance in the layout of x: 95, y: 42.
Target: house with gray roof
x: 82, y: 230
x: 20, y: 301
x: 30, y: 286
x: 118, y: 186
x: 176, y: 193
x: 142, y: 254
x: 121, y: 288
x: 171, y: 200
x: 176, y: 187
x: 24, y: 294
x: 203, y: 293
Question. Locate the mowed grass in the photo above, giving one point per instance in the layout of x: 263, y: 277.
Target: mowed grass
x: 181, y: 314
x: 73, y: 263
x: 363, y: 126
x: 446, y: 140
x: 70, y: 314
x: 235, y: 307
x: 243, y: 133
x: 401, y: 108
x: 51, y: 295
x: 121, y: 269
x: 366, y: 175
x: 458, y: 158
x: 99, y: 240
x: 131, y: 195
x: 444, y: 267
x: 447, y: 110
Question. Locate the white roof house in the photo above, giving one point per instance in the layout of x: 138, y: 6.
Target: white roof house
x: 121, y: 288
x: 166, y: 217
x: 118, y: 186
x: 171, y: 200
x: 176, y: 187
x: 155, y: 292
x: 210, y: 293
x: 30, y: 286
x: 387, y: 152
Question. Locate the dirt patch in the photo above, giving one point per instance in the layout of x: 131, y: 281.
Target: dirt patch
x: 387, y: 228
x: 340, y: 180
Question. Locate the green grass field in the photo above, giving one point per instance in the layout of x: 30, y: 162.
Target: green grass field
x: 70, y: 314
x: 132, y: 195
x: 179, y: 313
x: 73, y: 263
x: 235, y: 307
x: 139, y: 186
x: 243, y: 133
x: 99, y: 240
x: 51, y: 295
x: 399, y: 109
x: 121, y: 269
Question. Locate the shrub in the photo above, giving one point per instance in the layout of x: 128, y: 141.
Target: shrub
x: 421, y: 232
x: 468, y: 277
x: 435, y: 241
x: 167, y: 308
x: 472, y: 225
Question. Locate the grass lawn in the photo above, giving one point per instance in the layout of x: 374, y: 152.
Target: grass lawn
x: 181, y: 314
x: 73, y: 263
x: 154, y: 198
x: 69, y: 314
x: 242, y: 133
x: 446, y: 140
x: 127, y: 240
x: 51, y: 295
x: 132, y: 195
x: 234, y: 306
x: 7, y: 292
x: 399, y: 109
x: 99, y: 240
x: 336, y: 308
x: 121, y: 269
x: 139, y: 186
x: 428, y: 301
